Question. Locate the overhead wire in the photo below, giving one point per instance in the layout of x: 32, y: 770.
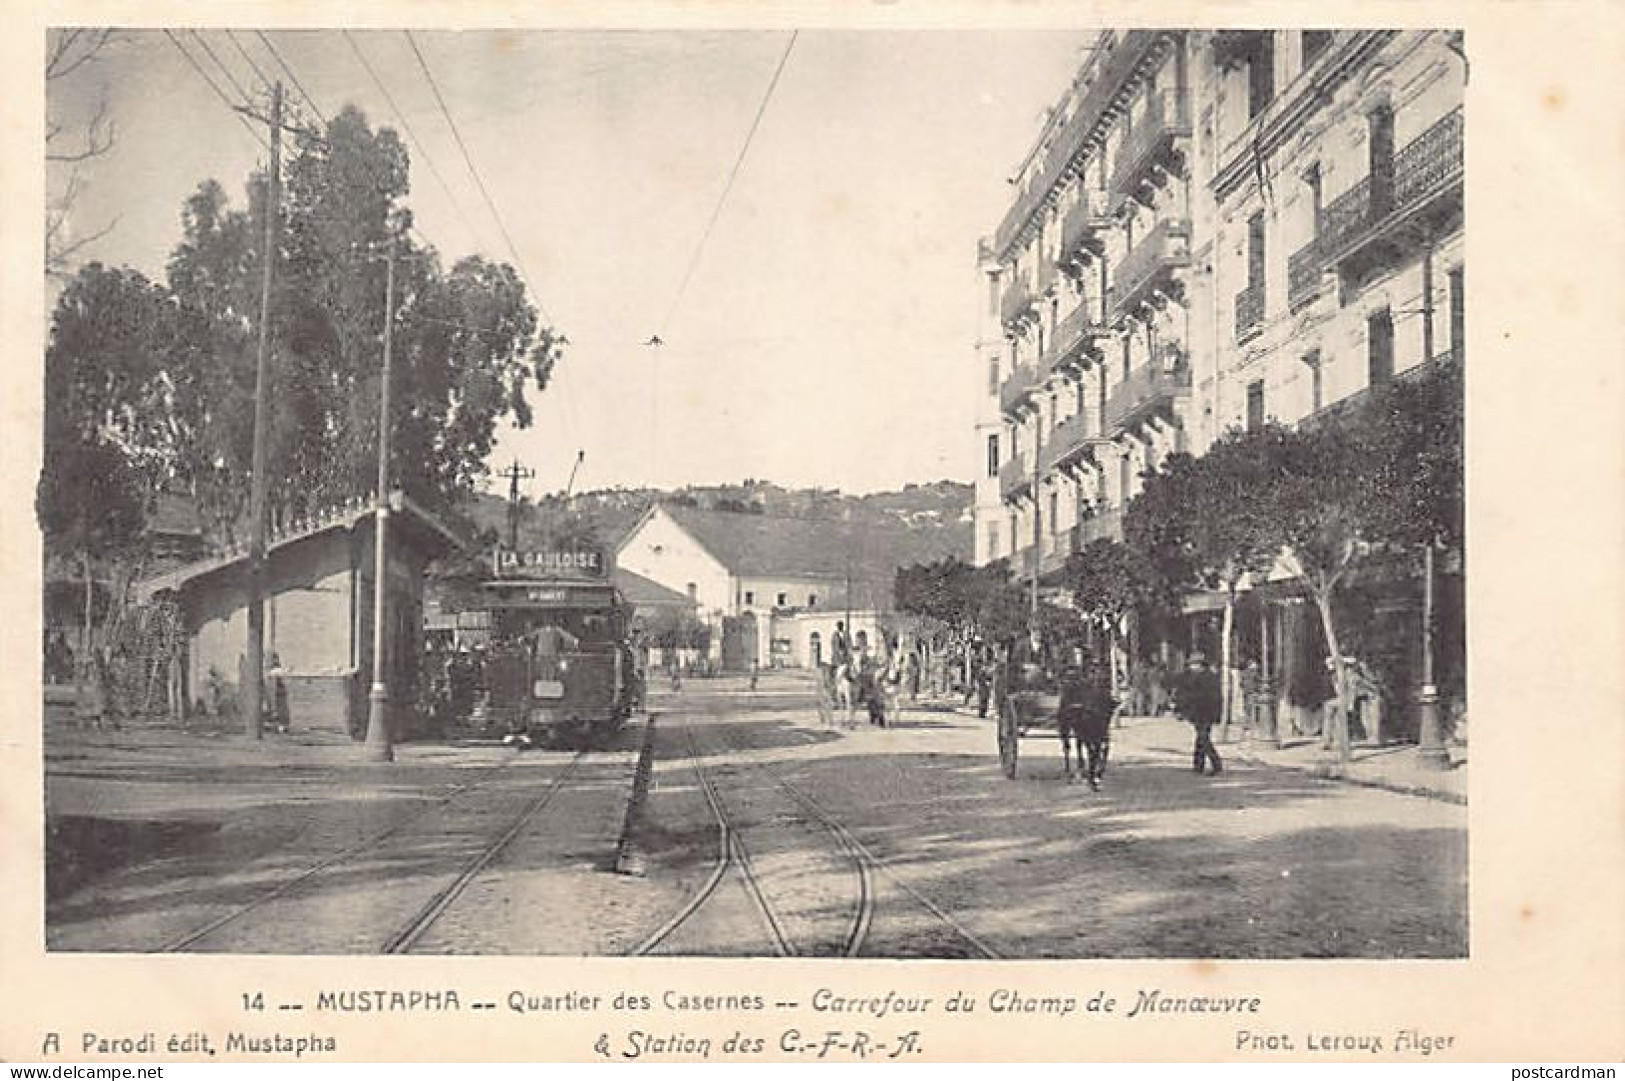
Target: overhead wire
x: 479, y: 181
x: 283, y: 64
x: 406, y: 126
x: 496, y: 216
x: 733, y: 174
x: 231, y: 35
x: 221, y: 94
x: 232, y: 79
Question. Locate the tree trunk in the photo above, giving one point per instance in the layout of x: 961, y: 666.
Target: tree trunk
x: 1226, y: 634
x: 1340, y: 720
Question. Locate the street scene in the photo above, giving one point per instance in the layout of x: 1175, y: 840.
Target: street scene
x: 587, y: 493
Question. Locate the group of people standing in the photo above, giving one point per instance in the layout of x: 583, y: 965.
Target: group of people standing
x: 873, y: 673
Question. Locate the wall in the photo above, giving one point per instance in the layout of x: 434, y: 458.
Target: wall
x: 799, y: 628
x: 660, y: 550
x: 799, y: 593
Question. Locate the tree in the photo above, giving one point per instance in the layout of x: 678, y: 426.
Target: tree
x: 468, y: 343
x: 1321, y: 498
x: 1108, y: 580
x: 1209, y: 522
x: 69, y: 144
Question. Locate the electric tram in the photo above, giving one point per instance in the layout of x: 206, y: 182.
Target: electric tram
x: 559, y: 666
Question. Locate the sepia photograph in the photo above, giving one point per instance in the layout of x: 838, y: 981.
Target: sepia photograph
x: 976, y: 494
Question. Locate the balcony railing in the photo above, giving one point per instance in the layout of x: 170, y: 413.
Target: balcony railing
x: 1017, y: 302
x: 1066, y: 439
x: 1304, y: 273
x: 1130, y: 49
x: 1166, y: 247
x: 1105, y: 523
x: 1166, y: 118
x: 1084, y: 223
x: 1014, y: 390
x: 1426, y: 167
x: 1350, y: 405
x: 1015, y: 477
x: 1147, y: 389
x: 1072, y: 333
x: 1249, y: 311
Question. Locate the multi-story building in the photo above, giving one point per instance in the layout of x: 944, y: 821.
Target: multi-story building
x: 1214, y: 228
x: 1101, y: 303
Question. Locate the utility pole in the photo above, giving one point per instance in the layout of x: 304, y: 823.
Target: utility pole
x: 253, y: 678
x: 380, y: 744
x: 515, y: 473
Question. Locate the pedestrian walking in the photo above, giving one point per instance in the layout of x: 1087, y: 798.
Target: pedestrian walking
x: 1197, y: 698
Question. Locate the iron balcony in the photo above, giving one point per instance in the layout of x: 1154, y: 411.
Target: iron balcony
x: 1249, y: 311
x: 1017, y: 303
x: 1149, y: 144
x: 1083, y: 224
x: 1148, y: 390
x: 1372, y: 220
x: 1015, y: 477
x: 1014, y: 390
x: 1148, y: 265
x: 1073, y: 335
x: 1126, y: 56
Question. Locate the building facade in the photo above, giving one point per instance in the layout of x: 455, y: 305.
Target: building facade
x: 318, y: 597
x: 1214, y: 229
x: 1217, y: 230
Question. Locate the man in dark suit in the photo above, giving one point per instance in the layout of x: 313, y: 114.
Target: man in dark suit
x: 1196, y: 694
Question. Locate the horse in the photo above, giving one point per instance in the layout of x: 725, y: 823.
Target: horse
x: 1084, y: 720
x: 843, y: 684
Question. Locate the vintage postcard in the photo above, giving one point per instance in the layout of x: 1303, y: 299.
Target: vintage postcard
x: 813, y: 533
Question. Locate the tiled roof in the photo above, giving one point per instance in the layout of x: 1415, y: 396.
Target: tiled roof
x: 758, y: 545
x: 646, y: 593
x: 344, y: 516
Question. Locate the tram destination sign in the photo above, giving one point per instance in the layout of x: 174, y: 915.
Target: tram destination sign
x: 550, y: 563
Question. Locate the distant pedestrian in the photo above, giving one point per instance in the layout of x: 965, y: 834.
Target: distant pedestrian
x: 1197, y: 698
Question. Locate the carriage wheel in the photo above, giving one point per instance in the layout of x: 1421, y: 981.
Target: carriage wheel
x: 1009, y: 738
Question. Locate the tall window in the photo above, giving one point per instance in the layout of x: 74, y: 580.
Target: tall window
x: 1380, y: 127
x: 1123, y: 469
x: 993, y: 375
x: 1317, y: 386
x: 1380, y: 347
x: 993, y: 455
x: 1255, y: 405
x: 993, y: 540
x: 1458, y: 314
x: 1315, y: 43
x: 1261, y: 73
x: 1255, y: 251
x: 1055, y: 512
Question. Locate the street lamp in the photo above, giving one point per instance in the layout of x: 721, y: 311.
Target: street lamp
x: 379, y: 746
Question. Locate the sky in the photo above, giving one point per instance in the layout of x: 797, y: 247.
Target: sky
x: 825, y: 335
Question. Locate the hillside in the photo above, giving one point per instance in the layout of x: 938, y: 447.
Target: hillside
x: 920, y: 523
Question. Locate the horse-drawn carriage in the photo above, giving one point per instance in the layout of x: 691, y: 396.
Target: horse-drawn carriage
x: 1028, y: 705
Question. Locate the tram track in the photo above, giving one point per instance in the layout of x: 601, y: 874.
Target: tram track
x: 186, y: 941
x: 734, y: 855
x: 415, y: 928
